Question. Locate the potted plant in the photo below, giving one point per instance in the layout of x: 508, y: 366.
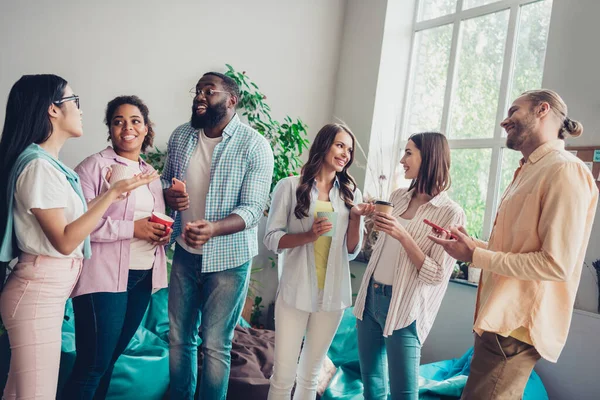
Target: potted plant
x: 463, y: 268
x: 474, y: 274
x: 455, y: 272
x: 288, y: 139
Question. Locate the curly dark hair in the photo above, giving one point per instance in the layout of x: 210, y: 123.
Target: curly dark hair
x: 319, y: 149
x: 115, y: 103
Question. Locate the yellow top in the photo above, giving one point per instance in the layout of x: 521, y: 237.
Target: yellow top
x: 322, y: 245
x: 521, y: 334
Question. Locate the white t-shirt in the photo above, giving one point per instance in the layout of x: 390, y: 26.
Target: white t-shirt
x: 390, y: 253
x: 41, y: 185
x: 197, y: 178
x: 141, y: 252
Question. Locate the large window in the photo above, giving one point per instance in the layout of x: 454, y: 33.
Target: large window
x: 470, y: 60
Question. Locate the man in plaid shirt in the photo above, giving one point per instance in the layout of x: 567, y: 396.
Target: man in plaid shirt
x: 227, y: 167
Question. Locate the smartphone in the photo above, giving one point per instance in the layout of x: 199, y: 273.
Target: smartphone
x: 178, y: 185
x: 440, y: 229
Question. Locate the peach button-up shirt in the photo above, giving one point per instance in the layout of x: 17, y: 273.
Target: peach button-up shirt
x: 533, y: 262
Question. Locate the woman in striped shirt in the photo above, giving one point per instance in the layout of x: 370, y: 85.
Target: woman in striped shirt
x: 407, y: 275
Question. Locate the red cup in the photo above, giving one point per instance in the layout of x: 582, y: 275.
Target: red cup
x: 162, y: 219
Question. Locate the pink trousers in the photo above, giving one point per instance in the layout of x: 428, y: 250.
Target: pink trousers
x: 32, y: 306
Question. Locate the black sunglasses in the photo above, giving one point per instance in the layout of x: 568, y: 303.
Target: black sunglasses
x: 70, y: 98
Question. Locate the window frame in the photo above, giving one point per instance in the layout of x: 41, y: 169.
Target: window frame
x: 497, y: 143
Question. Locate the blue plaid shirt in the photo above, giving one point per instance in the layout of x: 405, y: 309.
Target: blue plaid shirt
x: 240, y: 180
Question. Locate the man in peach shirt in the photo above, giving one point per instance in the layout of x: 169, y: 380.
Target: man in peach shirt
x: 532, y: 265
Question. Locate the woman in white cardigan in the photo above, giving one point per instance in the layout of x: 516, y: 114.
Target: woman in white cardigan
x: 314, y: 288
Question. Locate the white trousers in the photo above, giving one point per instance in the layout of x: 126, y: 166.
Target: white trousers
x: 291, y: 326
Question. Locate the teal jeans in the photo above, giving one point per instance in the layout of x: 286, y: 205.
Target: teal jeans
x: 397, y: 356
x: 213, y: 300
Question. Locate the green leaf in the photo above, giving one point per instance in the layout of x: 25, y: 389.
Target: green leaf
x: 287, y: 139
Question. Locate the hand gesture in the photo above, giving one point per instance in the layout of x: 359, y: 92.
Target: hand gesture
x: 198, y: 233
x: 362, y: 209
x: 389, y: 225
x: 461, y: 249
x: 319, y: 227
x: 177, y: 200
x: 122, y: 189
x: 151, y: 231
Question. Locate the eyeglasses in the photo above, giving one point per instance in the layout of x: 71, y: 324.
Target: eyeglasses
x: 69, y: 98
x: 205, y: 92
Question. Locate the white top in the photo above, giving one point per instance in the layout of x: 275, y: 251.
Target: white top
x: 297, y: 271
x: 141, y: 252
x: 197, y: 177
x: 40, y: 185
x: 386, y: 268
x: 416, y: 295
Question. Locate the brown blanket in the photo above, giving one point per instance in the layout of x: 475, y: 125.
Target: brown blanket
x: 252, y: 356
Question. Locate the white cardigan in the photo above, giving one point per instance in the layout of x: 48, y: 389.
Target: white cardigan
x: 298, y: 282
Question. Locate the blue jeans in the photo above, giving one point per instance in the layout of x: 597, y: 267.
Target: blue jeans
x: 213, y: 300
x: 403, y: 350
x: 104, y: 325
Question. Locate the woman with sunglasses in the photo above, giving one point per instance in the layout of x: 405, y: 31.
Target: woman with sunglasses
x: 46, y: 225
x: 128, y: 261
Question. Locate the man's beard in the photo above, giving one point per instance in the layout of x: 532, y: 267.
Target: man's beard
x: 522, y: 132
x: 211, y: 117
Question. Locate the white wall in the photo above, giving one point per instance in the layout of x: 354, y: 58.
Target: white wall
x: 575, y: 376
x: 571, y: 69
x: 358, y: 72
x: 390, y: 98
x: 158, y: 50
x: 572, y: 61
x: 372, y: 74
x: 452, y: 332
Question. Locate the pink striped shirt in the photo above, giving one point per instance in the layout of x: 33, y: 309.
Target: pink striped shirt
x: 415, y: 295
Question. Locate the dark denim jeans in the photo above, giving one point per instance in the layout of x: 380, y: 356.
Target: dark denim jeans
x: 403, y: 350
x: 104, y: 325
x: 213, y: 300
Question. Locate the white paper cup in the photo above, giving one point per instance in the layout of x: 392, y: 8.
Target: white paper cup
x: 332, y: 218
x: 119, y: 172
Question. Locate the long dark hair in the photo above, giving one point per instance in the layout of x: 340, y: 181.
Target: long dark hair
x: 26, y: 122
x: 319, y: 149
x: 434, y: 173
x: 135, y: 101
